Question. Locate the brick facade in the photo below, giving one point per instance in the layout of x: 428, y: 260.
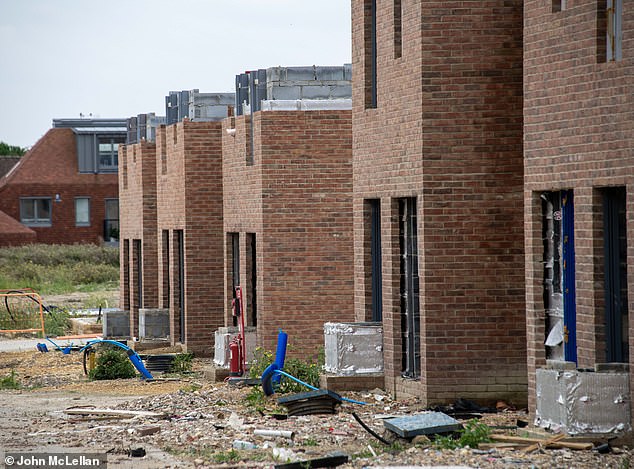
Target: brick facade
x: 578, y: 135
x: 287, y: 197
x: 189, y: 231
x: 51, y: 168
x: 137, y: 206
x: 445, y: 133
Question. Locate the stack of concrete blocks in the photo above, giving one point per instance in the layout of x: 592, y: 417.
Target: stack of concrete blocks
x: 154, y: 323
x: 292, y: 83
x: 209, y: 106
x: 116, y: 323
x: 583, y: 402
x: 224, y: 336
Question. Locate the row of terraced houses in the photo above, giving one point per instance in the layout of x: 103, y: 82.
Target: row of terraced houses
x: 470, y: 191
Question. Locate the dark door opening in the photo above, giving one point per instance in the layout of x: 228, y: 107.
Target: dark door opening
x: 165, y: 252
x: 409, y: 288
x: 180, y: 262
x: 253, y: 279
x: 138, y: 272
x: 615, y: 264
x: 235, y: 267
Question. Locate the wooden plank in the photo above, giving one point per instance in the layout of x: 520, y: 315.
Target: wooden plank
x: 113, y: 412
x: 544, y: 443
x: 528, y: 440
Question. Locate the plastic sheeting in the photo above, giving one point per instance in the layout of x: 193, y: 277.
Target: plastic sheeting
x: 353, y: 348
x: 583, y: 402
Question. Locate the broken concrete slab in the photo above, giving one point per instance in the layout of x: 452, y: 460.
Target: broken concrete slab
x: 426, y: 423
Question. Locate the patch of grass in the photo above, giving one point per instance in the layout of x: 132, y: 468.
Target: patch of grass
x: 227, y: 456
x: 473, y: 433
x: 310, y: 442
x: 10, y: 381
x: 57, y: 322
x: 193, y: 387
x: 56, y: 269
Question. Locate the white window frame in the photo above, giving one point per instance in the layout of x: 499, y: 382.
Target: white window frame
x: 79, y: 222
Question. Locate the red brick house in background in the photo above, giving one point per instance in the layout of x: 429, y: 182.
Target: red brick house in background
x: 579, y: 212
x: 65, y: 188
x: 287, y: 182
x: 438, y: 220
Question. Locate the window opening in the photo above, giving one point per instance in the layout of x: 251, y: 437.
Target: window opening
x: 409, y: 288
x: 370, y: 72
x: 376, y: 261
x: 235, y: 267
x: 111, y: 220
x: 398, y: 29
x: 615, y: 268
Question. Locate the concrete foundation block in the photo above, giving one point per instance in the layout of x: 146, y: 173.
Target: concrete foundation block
x: 582, y: 402
x: 354, y: 348
x: 154, y: 323
x: 116, y: 324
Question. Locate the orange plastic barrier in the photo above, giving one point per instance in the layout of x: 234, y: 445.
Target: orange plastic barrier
x: 21, y: 311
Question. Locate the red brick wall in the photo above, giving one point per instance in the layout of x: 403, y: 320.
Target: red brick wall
x: 189, y: 175
x: 137, y: 207
x: 447, y: 131
x: 296, y: 198
x: 50, y: 168
x: 578, y: 135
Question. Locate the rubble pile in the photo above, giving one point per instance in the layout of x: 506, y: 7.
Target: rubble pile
x: 203, y: 424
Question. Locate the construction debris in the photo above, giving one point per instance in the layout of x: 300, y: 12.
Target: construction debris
x: 312, y: 402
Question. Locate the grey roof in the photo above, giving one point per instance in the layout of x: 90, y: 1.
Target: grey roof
x: 99, y: 130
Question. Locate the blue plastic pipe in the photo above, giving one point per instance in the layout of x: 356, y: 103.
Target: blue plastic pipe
x: 132, y: 355
x: 280, y: 354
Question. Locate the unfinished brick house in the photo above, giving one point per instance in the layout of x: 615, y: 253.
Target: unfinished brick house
x: 138, y: 266
x: 437, y: 152
x: 172, y: 241
x: 65, y: 188
x: 579, y: 186
x: 287, y: 181
x: 191, y: 279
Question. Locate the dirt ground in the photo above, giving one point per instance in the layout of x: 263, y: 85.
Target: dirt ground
x: 200, y: 421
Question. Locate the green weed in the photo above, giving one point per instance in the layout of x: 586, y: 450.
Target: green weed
x: 10, y: 381
x: 182, y: 363
x: 227, y: 456
x: 473, y: 433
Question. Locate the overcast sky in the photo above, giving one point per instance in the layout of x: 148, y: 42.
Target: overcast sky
x: 119, y: 58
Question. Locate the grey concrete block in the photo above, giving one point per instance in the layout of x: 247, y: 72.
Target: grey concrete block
x: 116, y: 323
x: 154, y: 323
